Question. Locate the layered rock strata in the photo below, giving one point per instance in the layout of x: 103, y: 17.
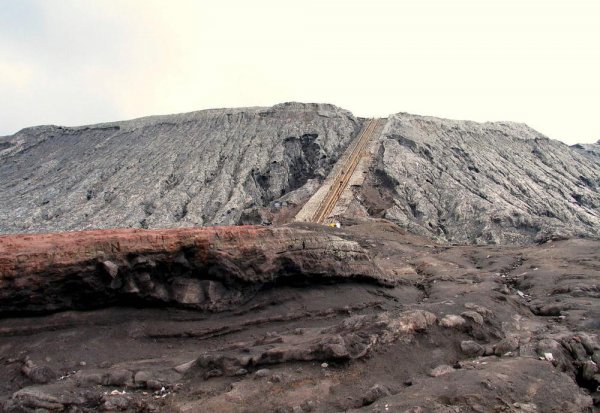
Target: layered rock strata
x: 207, y: 268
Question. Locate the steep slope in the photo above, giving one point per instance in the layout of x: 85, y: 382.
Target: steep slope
x: 200, y: 168
x: 471, y: 182
x: 456, y: 181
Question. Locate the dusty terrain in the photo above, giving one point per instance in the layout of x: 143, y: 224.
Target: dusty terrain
x: 465, y: 276
x: 404, y: 325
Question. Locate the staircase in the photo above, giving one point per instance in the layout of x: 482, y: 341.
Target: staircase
x: 321, y: 204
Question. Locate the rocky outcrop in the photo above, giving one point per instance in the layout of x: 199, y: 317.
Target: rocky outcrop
x: 470, y: 182
x: 202, y: 168
x: 590, y: 150
x: 354, y: 338
x: 211, y: 268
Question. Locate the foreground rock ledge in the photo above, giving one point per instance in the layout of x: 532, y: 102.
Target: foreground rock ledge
x: 206, y: 268
x: 463, y: 328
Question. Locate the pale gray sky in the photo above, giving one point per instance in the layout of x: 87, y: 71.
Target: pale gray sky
x: 75, y: 62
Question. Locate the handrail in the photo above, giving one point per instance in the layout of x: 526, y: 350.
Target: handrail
x: 342, y: 178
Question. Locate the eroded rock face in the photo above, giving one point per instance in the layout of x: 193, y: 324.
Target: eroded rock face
x: 498, y: 182
x: 207, y: 268
x: 201, y: 168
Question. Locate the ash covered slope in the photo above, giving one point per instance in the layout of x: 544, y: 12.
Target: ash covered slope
x: 590, y: 150
x: 200, y: 168
x: 471, y: 182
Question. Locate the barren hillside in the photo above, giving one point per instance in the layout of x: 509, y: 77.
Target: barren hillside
x: 200, y: 168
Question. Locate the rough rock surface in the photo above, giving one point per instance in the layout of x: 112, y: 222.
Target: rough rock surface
x: 469, y: 182
x: 212, y: 268
x: 456, y: 181
x: 203, y: 168
x: 590, y: 150
x: 316, y: 344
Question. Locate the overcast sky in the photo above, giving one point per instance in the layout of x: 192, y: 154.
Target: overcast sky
x: 73, y: 62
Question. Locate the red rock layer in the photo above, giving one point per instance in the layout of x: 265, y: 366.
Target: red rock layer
x: 210, y: 268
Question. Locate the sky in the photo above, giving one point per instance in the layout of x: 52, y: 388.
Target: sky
x: 75, y: 62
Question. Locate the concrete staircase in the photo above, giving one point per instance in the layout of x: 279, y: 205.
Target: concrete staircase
x: 321, y: 205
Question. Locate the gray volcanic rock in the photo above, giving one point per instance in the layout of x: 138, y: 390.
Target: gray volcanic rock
x: 592, y: 150
x: 200, y: 168
x: 471, y: 182
x: 456, y: 181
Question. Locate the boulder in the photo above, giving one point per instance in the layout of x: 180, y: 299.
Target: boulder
x: 506, y: 345
x: 472, y: 348
x: 375, y: 393
x: 452, y: 321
